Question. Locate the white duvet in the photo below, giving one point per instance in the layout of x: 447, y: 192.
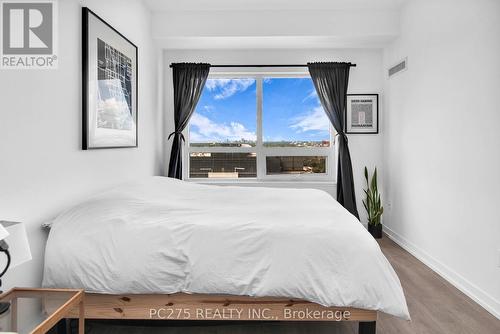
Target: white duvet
x: 162, y: 235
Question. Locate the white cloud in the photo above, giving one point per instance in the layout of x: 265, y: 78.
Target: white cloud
x: 196, y: 137
x: 311, y: 95
x: 208, y: 130
x: 315, y: 120
x: 274, y: 138
x: 228, y: 87
x: 207, y: 108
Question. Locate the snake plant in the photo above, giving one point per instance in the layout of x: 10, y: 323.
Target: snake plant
x: 372, y: 203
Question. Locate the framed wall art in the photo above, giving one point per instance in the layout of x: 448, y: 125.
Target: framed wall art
x: 109, y: 85
x: 361, y: 114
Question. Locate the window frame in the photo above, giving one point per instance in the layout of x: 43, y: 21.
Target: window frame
x: 261, y: 151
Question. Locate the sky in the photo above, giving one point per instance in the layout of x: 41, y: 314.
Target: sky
x: 227, y: 111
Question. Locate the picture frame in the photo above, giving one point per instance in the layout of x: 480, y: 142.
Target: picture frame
x: 109, y: 86
x: 362, y: 114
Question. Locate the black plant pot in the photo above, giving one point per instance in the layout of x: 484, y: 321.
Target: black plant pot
x: 375, y: 230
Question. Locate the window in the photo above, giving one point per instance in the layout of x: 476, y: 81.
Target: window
x: 260, y: 127
x: 295, y: 165
x: 225, y: 114
x: 292, y: 115
x: 222, y: 165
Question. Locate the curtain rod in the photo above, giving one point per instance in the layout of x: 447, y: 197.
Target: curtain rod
x: 260, y: 65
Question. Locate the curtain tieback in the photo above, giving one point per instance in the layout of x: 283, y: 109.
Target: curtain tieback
x: 343, y: 135
x: 176, y: 133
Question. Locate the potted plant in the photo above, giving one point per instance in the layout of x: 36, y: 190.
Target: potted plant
x: 373, y: 205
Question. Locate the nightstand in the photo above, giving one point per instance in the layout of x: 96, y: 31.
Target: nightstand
x: 36, y: 311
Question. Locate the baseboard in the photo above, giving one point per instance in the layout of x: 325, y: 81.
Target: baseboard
x: 471, y: 290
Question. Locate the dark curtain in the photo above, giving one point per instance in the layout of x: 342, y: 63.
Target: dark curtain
x: 189, y: 80
x: 330, y: 81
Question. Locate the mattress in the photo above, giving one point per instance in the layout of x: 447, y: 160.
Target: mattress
x: 161, y: 235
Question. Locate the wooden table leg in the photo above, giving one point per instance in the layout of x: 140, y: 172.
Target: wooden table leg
x: 369, y: 327
x: 13, y: 315
x: 81, y: 319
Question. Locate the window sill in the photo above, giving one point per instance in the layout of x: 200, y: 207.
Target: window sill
x: 262, y: 182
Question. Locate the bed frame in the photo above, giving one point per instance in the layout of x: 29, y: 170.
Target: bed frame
x: 196, y: 307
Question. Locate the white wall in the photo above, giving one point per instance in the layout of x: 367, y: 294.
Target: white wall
x: 442, y: 156
x: 42, y: 168
x: 366, y: 150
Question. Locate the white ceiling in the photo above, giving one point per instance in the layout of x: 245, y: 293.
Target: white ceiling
x: 245, y: 5
x: 231, y: 24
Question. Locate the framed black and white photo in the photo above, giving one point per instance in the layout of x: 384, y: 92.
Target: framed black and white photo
x: 109, y: 86
x: 361, y: 113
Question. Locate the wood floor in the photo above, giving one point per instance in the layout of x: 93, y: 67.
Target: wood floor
x: 436, y: 307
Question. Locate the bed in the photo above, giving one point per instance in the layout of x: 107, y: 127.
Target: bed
x: 145, y: 248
